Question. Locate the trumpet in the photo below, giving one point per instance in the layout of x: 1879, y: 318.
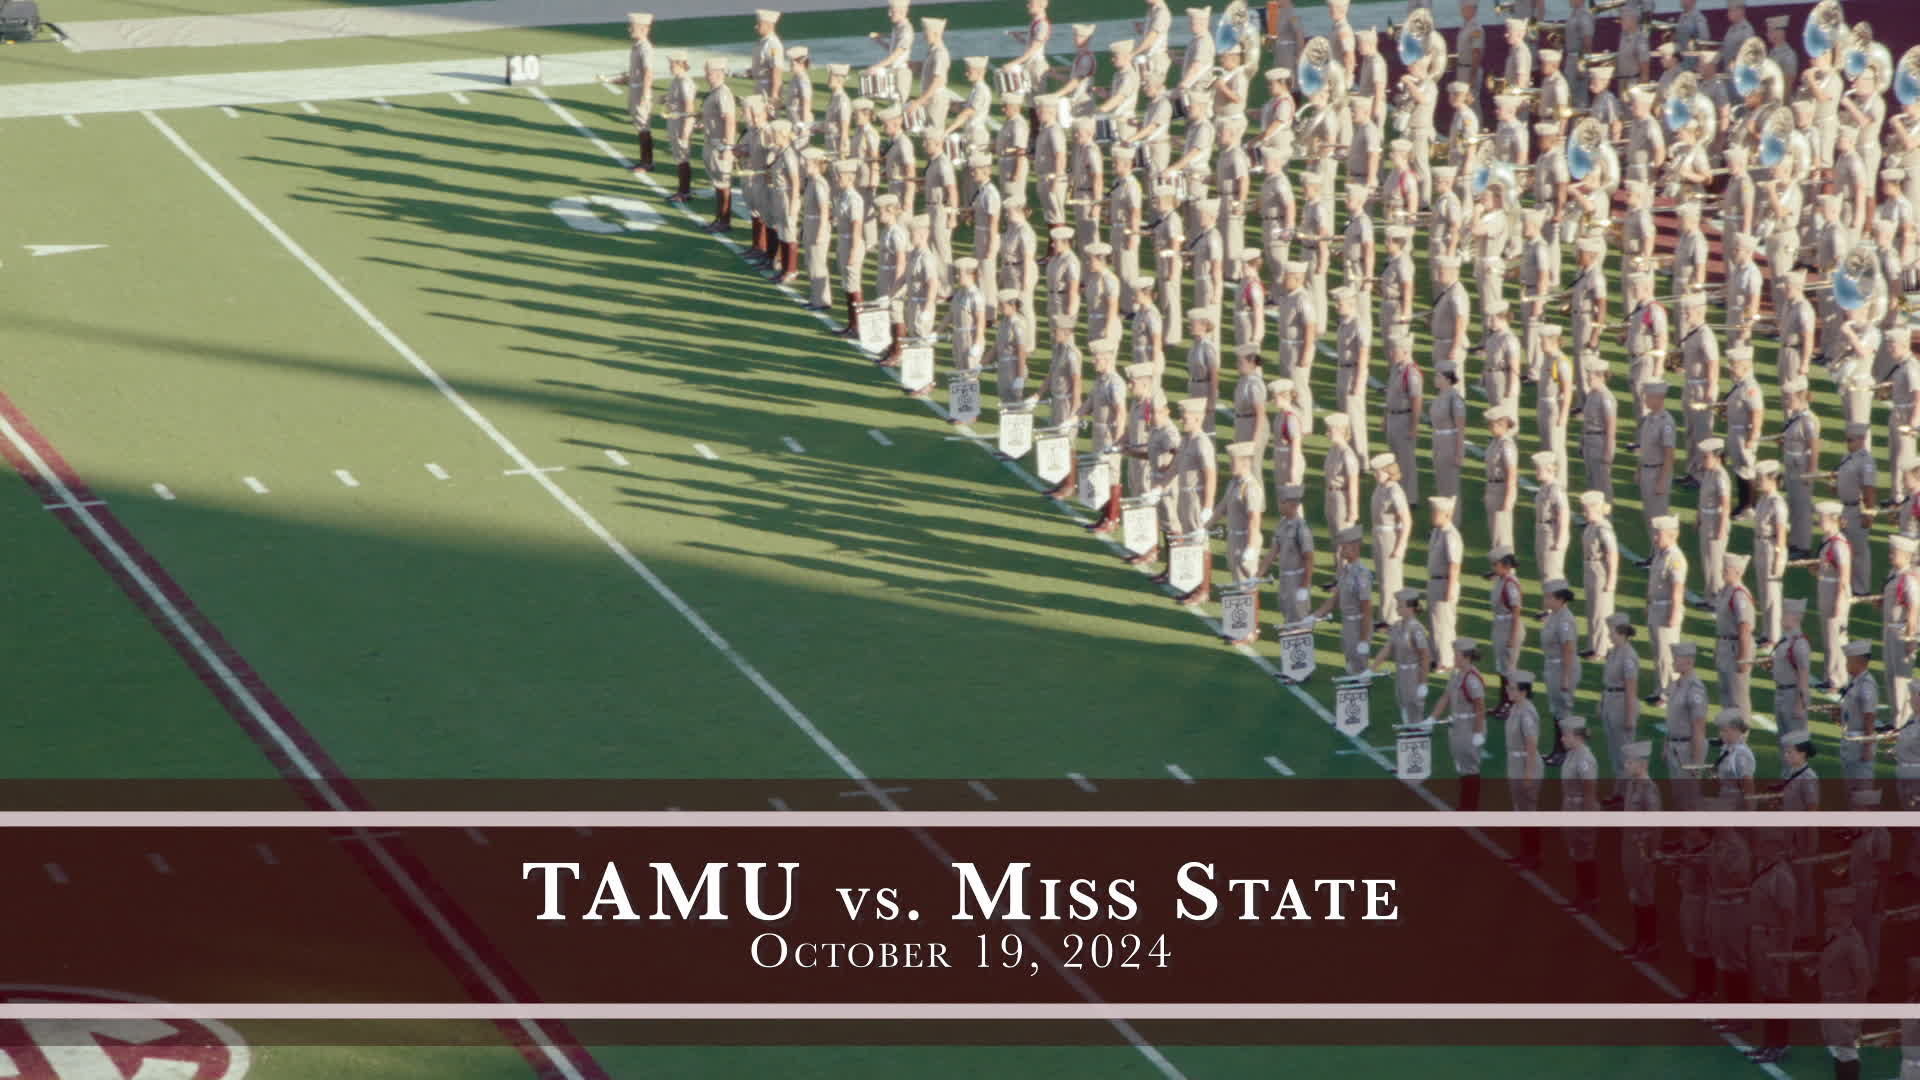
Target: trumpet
x: 1600, y: 59
x: 1603, y: 7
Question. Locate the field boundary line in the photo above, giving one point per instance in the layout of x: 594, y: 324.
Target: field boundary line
x: 292, y: 749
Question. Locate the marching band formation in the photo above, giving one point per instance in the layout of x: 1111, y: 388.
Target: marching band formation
x: 1262, y: 221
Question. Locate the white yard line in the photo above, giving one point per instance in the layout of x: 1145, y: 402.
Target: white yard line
x: 398, y: 874
x: 232, y: 113
x: 461, y: 99
x: 879, y: 436
x: 345, y: 478
x: 705, y: 451
x: 436, y: 471
x: 1179, y: 773
x: 72, y: 120
x: 307, y: 107
x: 792, y: 444
x: 618, y: 458
x: 254, y: 485
x: 1278, y: 766
x: 163, y: 491
x: 1081, y: 782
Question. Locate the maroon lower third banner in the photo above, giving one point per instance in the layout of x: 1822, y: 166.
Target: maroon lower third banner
x: 880, y: 933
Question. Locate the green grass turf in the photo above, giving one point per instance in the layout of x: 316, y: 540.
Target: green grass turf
x: 86, y: 10
x: 919, y: 604
x: 94, y: 691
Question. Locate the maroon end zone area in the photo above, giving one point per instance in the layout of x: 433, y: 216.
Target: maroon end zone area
x: 441, y: 929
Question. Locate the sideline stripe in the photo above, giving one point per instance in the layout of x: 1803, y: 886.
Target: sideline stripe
x: 292, y: 749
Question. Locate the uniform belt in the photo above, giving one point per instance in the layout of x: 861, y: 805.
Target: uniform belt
x: 1729, y: 637
x: 1398, y: 412
x: 1616, y: 689
x: 1651, y: 464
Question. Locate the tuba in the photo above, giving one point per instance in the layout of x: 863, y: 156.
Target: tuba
x: 1906, y: 77
x: 1775, y: 132
x: 1826, y: 25
x: 1316, y: 60
x: 1492, y: 170
x: 1677, y: 109
x: 1863, y: 54
x: 1857, y: 277
x: 1747, y: 74
x: 1413, y: 40
x: 1589, y: 138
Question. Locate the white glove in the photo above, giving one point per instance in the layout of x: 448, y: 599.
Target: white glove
x: 1479, y: 739
x: 1422, y: 694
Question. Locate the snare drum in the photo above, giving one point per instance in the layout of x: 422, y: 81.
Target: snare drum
x: 1103, y: 129
x: 877, y: 85
x: 1012, y: 80
x: 916, y: 119
x: 1178, y: 97
x: 1256, y: 158
x: 1064, y: 110
x: 957, y: 148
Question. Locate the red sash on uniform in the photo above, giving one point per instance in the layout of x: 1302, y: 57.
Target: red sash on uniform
x: 1826, y: 550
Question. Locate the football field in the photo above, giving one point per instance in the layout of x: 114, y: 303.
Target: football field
x: 419, y: 439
